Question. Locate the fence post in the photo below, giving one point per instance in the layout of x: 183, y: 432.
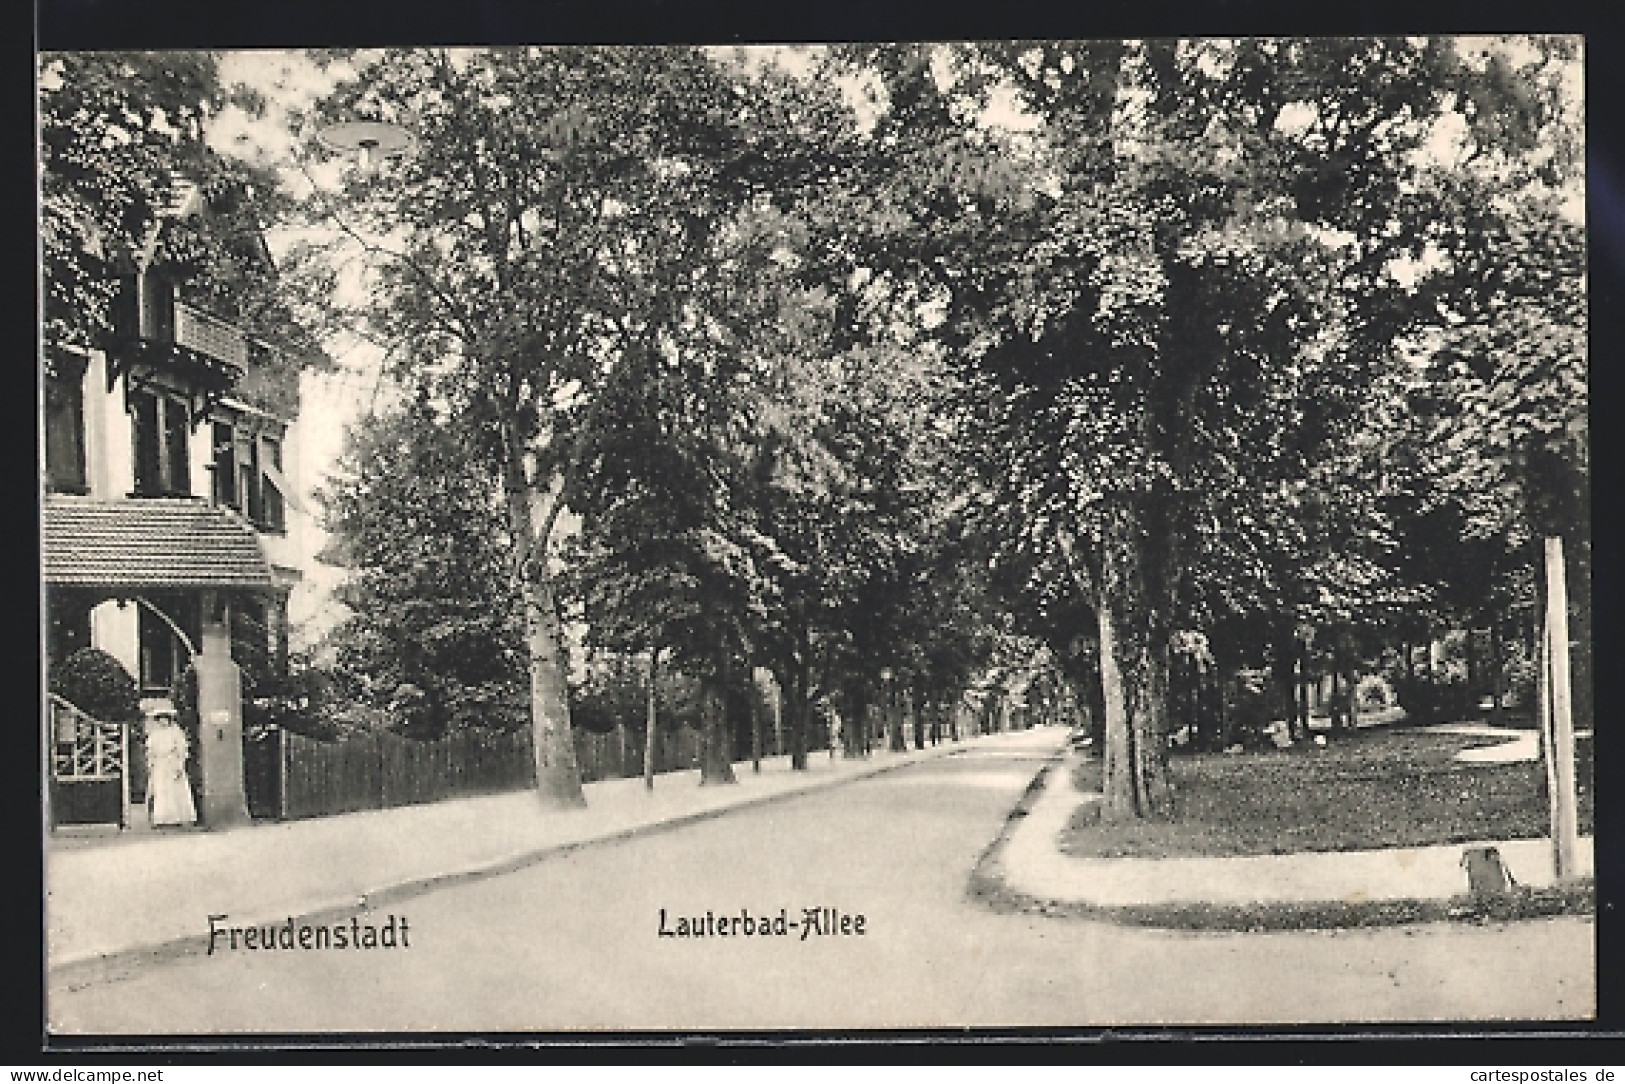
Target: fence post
x: 124, y: 776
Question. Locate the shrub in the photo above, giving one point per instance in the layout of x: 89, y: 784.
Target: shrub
x: 1441, y: 699
x: 1247, y: 709
x: 1520, y: 676
x: 495, y: 706
x: 264, y: 713
x: 411, y: 714
x: 97, y: 684
x: 352, y: 717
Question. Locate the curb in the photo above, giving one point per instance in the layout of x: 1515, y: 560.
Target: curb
x: 80, y: 972
x: 989, y: 884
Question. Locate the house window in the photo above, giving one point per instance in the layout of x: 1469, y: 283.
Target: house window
x: 65, y: 435
x: 160, y: 426
x: 273, y: 511
x: 248, y: 477
x: 225, y: 465
x: 145, y: 307
x: 247, y: 472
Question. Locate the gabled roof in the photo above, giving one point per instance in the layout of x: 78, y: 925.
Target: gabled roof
x: 147, y: 543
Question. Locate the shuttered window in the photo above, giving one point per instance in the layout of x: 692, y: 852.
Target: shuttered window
x: 160, y: 429
x: 65, y: 435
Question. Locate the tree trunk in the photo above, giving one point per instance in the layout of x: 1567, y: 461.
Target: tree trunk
x: 1542, y: 658
x: 1472, y: 667
x: 1351, y: 681
x: 558, y: 777
x: 779, y: 747
x: 916, y: 703
x: 716, y: 757
x: 1285, y: 666
x: 1334, y: 702
x: 855, y: 726
x: 795, y: 711
x: 1133, y: 675
x: 755, y: 731
x: 620, y: 750
x: 1497, y: 671
x: 895, y: 741
x: 1135, y: 780
x: 1304, y: 699
x: 649, y: 723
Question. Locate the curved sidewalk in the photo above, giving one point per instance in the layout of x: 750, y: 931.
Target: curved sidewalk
x: 129, y: 898
x: 1032, y: 864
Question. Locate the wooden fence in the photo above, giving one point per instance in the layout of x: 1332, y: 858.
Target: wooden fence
x: 618, y: 754
x: 290, y: 776
x: 380, y: 771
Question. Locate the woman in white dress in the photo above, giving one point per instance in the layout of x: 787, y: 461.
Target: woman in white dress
x: 169, y: 794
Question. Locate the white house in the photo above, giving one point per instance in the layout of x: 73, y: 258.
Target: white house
x: 170, y: 516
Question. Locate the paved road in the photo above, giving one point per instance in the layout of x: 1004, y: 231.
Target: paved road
x: 573, y: 943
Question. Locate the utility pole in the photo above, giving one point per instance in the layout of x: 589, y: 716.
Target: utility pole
x: 1557, y: 722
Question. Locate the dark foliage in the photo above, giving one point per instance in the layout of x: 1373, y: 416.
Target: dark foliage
x: 96, y: 683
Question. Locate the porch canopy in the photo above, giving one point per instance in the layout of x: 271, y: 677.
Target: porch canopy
x: 125, y: 546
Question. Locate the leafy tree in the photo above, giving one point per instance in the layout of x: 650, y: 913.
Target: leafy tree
x: 128, y: 178
x: 433, y: 633
x: 557, y: 202
x: 1499, y: 440
x: 1130, y: 305
x: 759, y: 481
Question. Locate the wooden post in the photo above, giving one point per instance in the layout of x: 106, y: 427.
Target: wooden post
x: 1559, y: 722
x: 124, y: 776
x: 649, y: 750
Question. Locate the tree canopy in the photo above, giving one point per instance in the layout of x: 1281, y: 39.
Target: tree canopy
x: 908, y: 357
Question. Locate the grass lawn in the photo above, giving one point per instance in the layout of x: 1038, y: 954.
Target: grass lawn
x: 1377, y: 787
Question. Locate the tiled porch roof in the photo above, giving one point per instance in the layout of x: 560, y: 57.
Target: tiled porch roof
x: 156, y: 542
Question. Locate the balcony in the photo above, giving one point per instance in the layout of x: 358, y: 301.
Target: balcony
x: 210, y: 336
x: 154, y: 331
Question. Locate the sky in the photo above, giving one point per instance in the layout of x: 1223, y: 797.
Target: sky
x: 329, y: 402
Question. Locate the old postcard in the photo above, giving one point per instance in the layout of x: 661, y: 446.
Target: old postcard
x: 688, y: 539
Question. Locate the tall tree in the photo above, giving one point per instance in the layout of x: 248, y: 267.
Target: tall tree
x: 1137, y: 291
x: 418, y: 527
x: 545, y: 226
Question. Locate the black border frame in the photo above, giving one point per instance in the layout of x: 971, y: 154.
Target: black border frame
x: 175, y: 24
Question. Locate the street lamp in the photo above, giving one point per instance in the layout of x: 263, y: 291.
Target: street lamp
x: 368, y: 140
